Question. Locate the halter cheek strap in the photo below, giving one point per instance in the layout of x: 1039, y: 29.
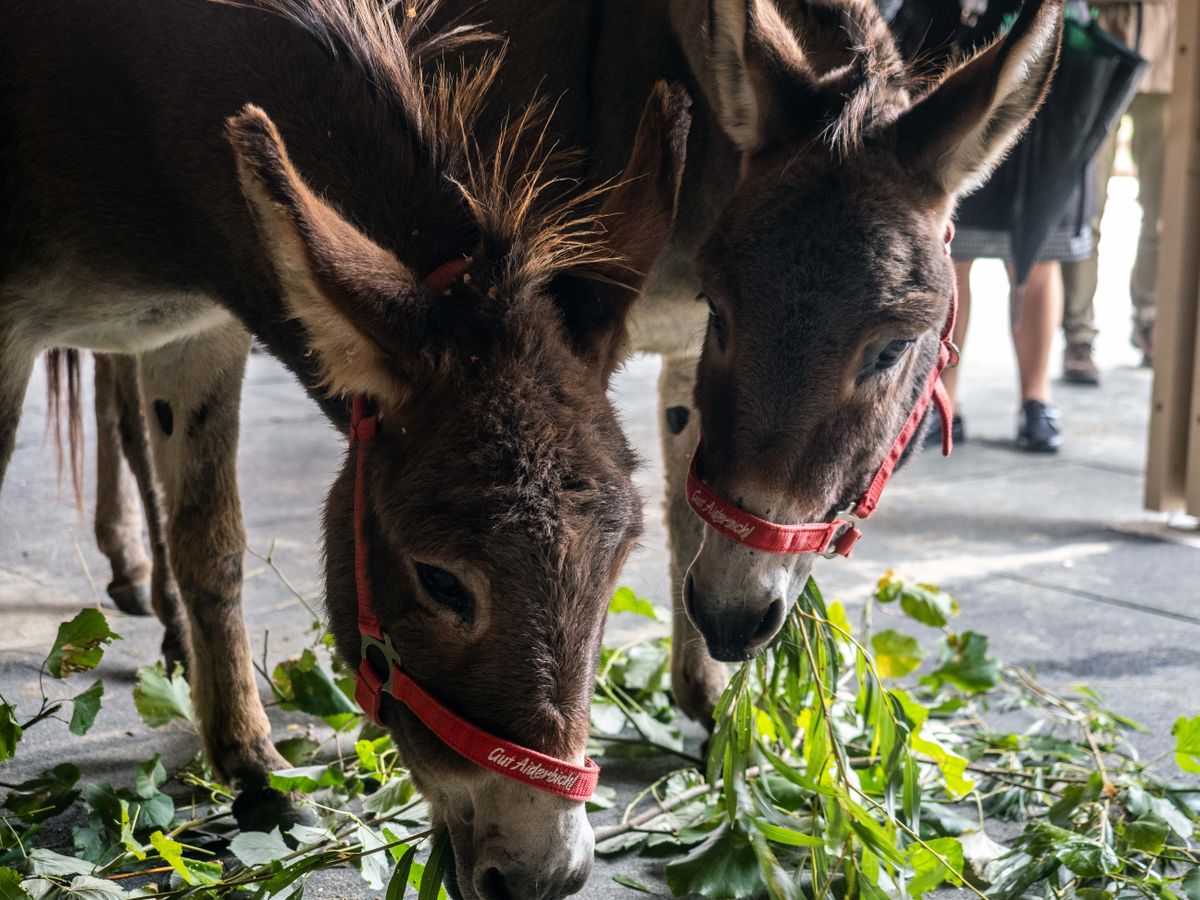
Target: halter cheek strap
x: 529, y: 767
x: 838, y: 536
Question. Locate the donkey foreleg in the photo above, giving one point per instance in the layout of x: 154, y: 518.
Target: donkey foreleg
x: 696, y: 678
x: 123, y: 450
x: 191, y: 391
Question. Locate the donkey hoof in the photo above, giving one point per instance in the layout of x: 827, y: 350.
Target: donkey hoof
x: 131, y: 598
x: 175, y: 653
x: 264, y: 809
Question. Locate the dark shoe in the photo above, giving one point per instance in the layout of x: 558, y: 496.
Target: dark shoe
x: 1078, y: 365
x: 933, y: 436
x: 1038, y: 431
x: 1143, y: 339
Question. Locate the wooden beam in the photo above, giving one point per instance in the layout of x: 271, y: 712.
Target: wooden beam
x: 1175, y: 401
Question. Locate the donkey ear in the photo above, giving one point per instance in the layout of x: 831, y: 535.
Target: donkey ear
x: 713, y: 36
x: 962, y: 128
x: 636, y: 217
x: 349, y: 293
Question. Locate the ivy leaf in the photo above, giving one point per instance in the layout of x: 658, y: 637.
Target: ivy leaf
x: 724, y: 867
x: 896, y: 654
x: 259, y: 848
x: 85, y: 706
x: 1147, y: 834
x: 305, y: 779
x: 80, y: 643
x: 625, y: 600
x: 159, y: 699
x: 10, y: 732
x: 149, y: 777
x: 928, y: 870
x: 86, y: 887
x: 968, y: 667
x: 1191, y: 885
x: 1187, y: 743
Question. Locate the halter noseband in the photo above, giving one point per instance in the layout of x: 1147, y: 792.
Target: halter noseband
x: 838, y: 536
x: 529, y: 767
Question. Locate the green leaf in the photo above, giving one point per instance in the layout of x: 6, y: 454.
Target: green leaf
x: 1147, y: 834
x: 159, y: 699
x: 10, y: 885
x: 80, y: 643
x: 399, y: 880
x: 435, y: 869
x: 896, y: 654
x: 928, y: 604
x: 85, y: 706
x: 928, y: 870
x: 171, y: 852
x: 625, y: 600
x: 45, y: 795
x: 305, y: 686
x: 968, y: 667
x: 149, y: 777
x: 10, y: 732
x: 724, y: 867
x: 1191, y: 884
x: 1187, y: 743
x: 259, y: 848
x: 305, y: 779
x: 297, y: 750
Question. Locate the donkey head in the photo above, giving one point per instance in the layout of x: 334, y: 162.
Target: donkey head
x: 498, y: 491
x: 826, y: 275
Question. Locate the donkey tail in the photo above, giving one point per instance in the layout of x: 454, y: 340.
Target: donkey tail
x: 64, y: 386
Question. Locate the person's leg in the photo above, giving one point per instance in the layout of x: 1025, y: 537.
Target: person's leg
x: 1080, y: 280
x: 1036, y: 312
x: 1149, y: 114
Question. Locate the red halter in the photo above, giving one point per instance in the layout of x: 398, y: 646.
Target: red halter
x: 838, y: 536
x: 503, y: 757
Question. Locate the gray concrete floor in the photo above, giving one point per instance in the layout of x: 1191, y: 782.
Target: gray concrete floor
x: 1052, y: 557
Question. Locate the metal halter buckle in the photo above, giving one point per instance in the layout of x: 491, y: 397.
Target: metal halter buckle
x: 391, y: 656
x: 846, y: 521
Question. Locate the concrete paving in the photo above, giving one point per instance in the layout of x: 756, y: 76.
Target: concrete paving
x: 1052, y: 557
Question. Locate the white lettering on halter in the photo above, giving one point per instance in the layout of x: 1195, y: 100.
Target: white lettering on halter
x: 718, y: 517
x: 532, y: 770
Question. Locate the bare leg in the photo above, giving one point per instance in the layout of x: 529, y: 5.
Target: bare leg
x: 118, y: 503
x: 135, y: 446
x: 696, y: 678
x: 962, y: 276
x: 1037, y: 310
x: 193, y: 388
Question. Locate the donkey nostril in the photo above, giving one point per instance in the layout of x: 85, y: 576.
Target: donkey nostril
x: 770, y: 623
x: 689, y: 598
x: 494, y: 887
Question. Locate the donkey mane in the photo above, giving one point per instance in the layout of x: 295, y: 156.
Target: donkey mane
x: 515, y: 187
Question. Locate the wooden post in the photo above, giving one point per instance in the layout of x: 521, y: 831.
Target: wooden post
x: 1172, y: 480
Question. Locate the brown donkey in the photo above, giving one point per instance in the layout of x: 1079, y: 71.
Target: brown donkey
x: 146, y: 209
x: 806, y: 274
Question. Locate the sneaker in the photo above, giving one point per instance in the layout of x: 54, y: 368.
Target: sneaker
x: 1078, y: 365
x: 933, y: 436
x: 1143, y: 339
x: 1038, y: 431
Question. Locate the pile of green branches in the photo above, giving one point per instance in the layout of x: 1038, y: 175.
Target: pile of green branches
x: 845, y: 762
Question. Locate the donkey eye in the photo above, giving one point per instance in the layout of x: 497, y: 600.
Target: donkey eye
x: 891, y: 354
x: 715, y: 322
x: 444, y: 588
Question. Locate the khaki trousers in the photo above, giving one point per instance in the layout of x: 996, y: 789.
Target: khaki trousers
x: 1149, y: 115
